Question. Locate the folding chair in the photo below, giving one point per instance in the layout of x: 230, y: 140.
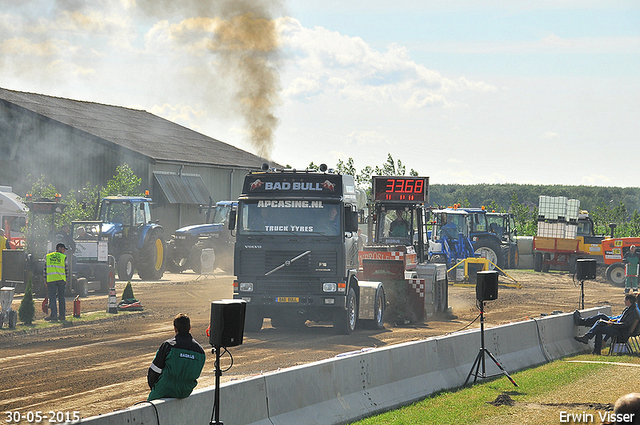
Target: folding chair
x: 629, y: 346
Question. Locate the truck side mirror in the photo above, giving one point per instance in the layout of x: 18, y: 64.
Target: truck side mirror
x: 351, y: 220
x: 232, y: 219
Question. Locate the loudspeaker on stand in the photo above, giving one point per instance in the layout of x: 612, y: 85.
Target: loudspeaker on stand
x: 487, y: 286
x: 586, y: 268
x: 227, y: 323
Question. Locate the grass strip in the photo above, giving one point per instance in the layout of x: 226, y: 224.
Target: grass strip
x: 471, y: 405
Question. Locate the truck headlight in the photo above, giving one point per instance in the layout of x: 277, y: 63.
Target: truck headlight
x: 246, y: 287
x: 329, y: 287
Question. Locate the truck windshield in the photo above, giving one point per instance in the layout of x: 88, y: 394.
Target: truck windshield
x: 289, y: 217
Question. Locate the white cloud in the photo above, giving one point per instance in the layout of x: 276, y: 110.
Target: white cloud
x: 182, y: 114
x: 324, y: 57
x: 550, y: 135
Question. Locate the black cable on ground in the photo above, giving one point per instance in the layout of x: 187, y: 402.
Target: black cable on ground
x: 154, y: 408
x: 546, y: 355
x: 466, y: 326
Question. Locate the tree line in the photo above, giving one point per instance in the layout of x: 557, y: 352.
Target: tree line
x: 605, y: 205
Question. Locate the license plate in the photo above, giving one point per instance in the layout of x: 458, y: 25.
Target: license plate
x: 287, y: 299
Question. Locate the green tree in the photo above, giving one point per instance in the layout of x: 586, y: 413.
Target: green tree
x: 27, y: 310
x: 124, y: 183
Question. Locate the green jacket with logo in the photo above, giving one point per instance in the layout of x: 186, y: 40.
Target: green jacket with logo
x: 176, y: 367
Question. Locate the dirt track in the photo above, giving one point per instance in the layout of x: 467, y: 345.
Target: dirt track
x: 99, y: 367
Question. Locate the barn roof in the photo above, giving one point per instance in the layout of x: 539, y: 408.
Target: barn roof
x: 137, y: 130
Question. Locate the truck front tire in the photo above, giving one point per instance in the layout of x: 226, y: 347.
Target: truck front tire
x: 344, y: 321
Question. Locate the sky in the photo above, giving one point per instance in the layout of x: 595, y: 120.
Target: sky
x: 482, y: 91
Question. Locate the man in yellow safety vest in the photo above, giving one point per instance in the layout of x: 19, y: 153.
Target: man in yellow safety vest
x: 56, y: 272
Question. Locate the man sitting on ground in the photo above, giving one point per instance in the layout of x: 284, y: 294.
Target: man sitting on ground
x: 603, y: 325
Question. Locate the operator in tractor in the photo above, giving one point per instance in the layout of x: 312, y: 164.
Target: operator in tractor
x: 449, y: 230
x: 399, y: 227
x: 63, y: 236
x: 56, y: 271
x: 631, y: 260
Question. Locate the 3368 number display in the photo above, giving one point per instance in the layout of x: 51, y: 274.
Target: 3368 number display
x: 401, y: 188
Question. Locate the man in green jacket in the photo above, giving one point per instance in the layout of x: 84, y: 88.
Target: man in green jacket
x: 177, y: 364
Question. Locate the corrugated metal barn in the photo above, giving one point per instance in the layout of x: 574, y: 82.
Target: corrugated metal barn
x: 72, y: 143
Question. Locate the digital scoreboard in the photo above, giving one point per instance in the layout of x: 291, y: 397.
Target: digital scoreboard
x: 400, y: 189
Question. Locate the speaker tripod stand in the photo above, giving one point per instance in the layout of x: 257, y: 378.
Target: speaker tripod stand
x: 480, y: 359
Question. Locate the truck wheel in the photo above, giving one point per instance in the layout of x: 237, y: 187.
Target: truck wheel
x: 545, y: 265
x: 344, y: 321
x: 378, y: 310
x: 82, y: 287
x: 537, y: 262
x: 252, y: 321
x: 572, y: 263
x: 125, y: 267
x: 616, y: 274
x: 491, y: 251
x: 151, y: 265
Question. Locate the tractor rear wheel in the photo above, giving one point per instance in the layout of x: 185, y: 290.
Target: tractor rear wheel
x: 491, y: 251
x: 151, y: 265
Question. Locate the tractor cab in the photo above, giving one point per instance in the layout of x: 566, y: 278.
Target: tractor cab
x: 449, y: 240
x: 134, y: 240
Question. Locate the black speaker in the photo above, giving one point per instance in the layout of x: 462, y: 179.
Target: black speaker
x: 586, y: 269
x: 227, y: 323
x: 487, y: 286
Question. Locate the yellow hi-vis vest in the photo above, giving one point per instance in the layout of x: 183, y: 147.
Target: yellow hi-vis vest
x: 55, y: 267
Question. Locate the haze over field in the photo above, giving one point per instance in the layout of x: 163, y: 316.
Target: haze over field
x: 484, y: 91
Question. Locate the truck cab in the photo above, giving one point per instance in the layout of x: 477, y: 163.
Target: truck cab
x: 296, y: 251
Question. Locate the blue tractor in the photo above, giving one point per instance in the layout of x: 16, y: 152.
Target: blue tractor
x: 135, y: 241
x: 449, y: 240
x: 485, y: 242
x: 184, y: 250
x: 503, y: 225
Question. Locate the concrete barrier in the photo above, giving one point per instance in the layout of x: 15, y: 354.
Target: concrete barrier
x: 347, y: 388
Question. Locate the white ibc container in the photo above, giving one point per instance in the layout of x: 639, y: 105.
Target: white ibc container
x: 573, y: 209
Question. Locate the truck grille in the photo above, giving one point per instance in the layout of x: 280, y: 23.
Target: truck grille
x: 313, y: 264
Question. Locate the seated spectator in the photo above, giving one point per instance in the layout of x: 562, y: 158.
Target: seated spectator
x: 605, y: 326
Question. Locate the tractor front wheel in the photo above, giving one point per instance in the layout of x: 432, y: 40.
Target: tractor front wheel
x: 125, y: 267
